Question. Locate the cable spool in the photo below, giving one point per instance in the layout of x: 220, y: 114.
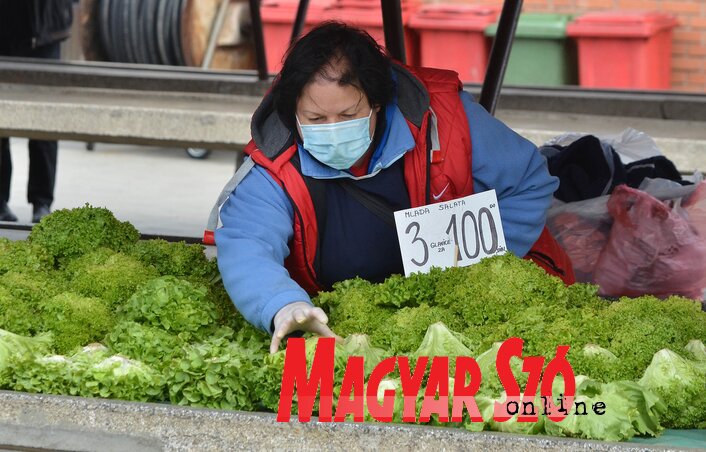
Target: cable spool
x: 172, y: 42
x: 179, y: 18
x: 104, y: 29
x: 167, y: 32
x: 116, y: 38
x: 149, y: 33
x: 137, y: 31
x: 137, y: 40
x: 127, y: 30
x: 160, y: 28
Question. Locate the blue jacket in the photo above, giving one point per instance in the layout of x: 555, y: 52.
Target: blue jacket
x: 258, y: 219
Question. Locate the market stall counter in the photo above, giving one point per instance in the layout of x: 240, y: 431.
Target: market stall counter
x: 73, y: 423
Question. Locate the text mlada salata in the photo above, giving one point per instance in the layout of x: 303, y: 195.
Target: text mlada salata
x: 441, y: 206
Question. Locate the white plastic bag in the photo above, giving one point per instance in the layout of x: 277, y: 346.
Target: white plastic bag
x: 632, y: 145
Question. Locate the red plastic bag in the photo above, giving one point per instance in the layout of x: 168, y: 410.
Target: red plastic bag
x: 695, y: 208
x: 651, y: 250
x: 582, y: 236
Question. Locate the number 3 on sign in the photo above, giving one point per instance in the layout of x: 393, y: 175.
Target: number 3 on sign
x: 459, y: 232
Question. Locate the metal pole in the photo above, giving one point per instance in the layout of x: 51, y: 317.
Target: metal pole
x: 260, y: 56
x: 215, y: 31
x: 500, y: 54
x: 299, y: 20
x: 394, y: 31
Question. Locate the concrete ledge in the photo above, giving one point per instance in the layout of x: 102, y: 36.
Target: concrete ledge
x: 687, y: 155
x: 126, y: 76
x: 74, y: 423
x: 58, y: 439
x: 122, y: 116
x: 605, y: 102
x: 222, y: 121
x: 569, y: 99
x: 683, y: 142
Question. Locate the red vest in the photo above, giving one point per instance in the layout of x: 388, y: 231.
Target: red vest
x: 448, y: 170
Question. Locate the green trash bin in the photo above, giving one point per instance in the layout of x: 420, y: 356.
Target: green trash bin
x: 541, y: 53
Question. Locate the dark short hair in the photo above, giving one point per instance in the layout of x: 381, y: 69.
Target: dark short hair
x: 368, y: 66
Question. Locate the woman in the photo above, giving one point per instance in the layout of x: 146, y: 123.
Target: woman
x: 345, y: 129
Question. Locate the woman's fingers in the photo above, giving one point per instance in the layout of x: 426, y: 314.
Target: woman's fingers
x: 322, y: 330
x: 301, y: 315
x: 303, y: 318
x: 320, y: 315
x: 274, y: 344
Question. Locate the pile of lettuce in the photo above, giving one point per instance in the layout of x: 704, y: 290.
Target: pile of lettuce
x: 89, y: 309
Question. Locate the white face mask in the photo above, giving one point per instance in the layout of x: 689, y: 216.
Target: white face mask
x: 338, y: 145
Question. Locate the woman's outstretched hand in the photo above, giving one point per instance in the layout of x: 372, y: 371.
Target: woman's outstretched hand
x: 299, y: 316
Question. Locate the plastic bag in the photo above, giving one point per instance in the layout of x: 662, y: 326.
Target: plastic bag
x: 632, y: 145
x: 651, y: 249
x: 582, y: 229
x: 695, y: 209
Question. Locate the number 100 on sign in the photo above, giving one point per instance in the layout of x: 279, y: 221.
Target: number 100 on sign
x: 453, y: 233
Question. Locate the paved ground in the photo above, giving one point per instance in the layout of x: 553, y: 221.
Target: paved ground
x: 159, y: 190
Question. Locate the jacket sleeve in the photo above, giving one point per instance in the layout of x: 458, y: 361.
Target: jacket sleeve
x: 252, y: 245
x: 510, y: 164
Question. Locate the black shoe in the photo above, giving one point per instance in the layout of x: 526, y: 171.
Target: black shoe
x: 40, y: 211
x: 6, y: 214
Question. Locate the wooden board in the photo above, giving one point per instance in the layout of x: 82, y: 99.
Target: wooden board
x: 235, y: 49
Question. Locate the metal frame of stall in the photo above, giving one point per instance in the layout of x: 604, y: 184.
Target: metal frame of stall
x: 394, y: 41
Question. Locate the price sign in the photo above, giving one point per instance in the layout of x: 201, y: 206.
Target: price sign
x: 453, y: 233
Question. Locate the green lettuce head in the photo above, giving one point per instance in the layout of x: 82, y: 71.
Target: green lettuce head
x: 696, y: 349
x: 440, y: 341
x: 681, y: 384
x: 629, y: 410
x: 359, y: 345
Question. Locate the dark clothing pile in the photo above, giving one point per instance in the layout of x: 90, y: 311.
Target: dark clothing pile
x: 589, y: 168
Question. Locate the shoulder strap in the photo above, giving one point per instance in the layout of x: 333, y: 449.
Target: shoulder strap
x: 212, y: 225
x: 378, y: 206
